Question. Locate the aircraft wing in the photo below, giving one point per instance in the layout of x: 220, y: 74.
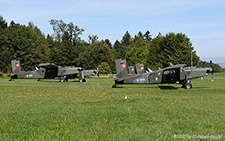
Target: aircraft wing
x: 69, y: 71
x: 48, y: 65
x: 176, y: 66
x: 90, y: 72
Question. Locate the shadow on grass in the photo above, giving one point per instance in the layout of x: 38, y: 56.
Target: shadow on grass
x: 168, y: 88
x: 200, y: 87
x: 57, y: 81
x: 135, y: 86
x: 148, y: 87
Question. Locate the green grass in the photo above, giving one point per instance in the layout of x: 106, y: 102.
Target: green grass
x: 49, y: 110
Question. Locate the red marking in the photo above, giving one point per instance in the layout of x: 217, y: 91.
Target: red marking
x: 132, y: 69
x: 17, y: 65
x: 142, y: 68
x: 123, y: 65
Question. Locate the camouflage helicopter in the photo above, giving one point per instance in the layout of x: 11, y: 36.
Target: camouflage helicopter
x: 170, y: 75
x: 50, y: 71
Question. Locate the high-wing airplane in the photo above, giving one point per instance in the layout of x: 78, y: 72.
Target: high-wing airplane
x: 170, y: 75
x: 50, y: 71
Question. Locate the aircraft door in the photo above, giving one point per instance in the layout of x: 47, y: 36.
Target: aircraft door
x: 51, y: 73
x: 171, y: 75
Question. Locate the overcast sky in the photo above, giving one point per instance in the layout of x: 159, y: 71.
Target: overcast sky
x: 203, y: 21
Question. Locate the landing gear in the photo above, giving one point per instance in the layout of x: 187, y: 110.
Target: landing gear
x: 186, y: 84
x: 114, y: 86
x: 63, y: 80
x: 82, y: 77
x: 82, y: 80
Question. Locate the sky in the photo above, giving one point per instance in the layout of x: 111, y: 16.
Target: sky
x: 203, y: 21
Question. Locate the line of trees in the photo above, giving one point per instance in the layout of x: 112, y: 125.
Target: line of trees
x: 66, y: 48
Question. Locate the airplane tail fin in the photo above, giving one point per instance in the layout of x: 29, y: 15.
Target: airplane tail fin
x: 140, y: 68
x: 121, y: 68
x: 131, y: 70
x: 16, y: 66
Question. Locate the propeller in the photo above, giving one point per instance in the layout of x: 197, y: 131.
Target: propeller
x: 211, y: 65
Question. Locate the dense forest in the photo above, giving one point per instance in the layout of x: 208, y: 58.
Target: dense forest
x: 66, y: 48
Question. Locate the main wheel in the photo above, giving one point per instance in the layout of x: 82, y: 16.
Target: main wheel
x: 82, y: 80
x: 62, y: 80
x: 188, y: 86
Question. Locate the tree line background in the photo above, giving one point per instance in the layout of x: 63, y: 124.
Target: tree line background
x: 66, y: 48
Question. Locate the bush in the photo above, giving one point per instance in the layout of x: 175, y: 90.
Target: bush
x: 104, y: 68
x: 1, y: 74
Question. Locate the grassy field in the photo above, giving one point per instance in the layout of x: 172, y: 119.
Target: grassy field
x: 49, y: 110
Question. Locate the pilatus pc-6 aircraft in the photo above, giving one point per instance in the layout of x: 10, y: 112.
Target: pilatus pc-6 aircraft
x: 50, y: 71
x: 170, y: 75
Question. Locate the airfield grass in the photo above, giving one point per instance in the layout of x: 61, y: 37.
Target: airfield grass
x: 49, y: 110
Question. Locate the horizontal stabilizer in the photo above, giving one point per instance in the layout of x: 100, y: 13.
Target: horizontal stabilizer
x: 150, y: 70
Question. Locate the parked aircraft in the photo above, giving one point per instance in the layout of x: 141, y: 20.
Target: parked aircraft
x: 170, y: 75
x: 50, y: 71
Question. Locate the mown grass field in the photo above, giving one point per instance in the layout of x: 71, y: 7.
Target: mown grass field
x: 49, y: 110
